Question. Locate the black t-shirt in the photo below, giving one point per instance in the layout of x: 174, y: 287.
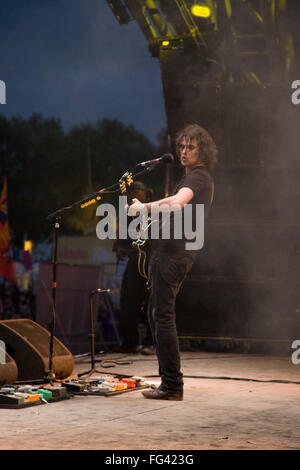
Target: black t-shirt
x: 200, y: 181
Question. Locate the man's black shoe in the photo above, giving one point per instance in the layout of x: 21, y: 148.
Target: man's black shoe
x: 159, y: 394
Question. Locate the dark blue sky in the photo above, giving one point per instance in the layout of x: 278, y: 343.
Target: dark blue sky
x: 72, y: 60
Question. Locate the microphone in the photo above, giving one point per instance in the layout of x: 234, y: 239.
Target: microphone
x: 167, y: 158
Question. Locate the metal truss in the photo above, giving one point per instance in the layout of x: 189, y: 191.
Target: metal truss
x: 250, y: 39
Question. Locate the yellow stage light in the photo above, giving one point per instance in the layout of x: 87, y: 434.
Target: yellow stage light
x: 201, y: 10
x: 28, y: 245
x: 91, y: 201
x: 165, y: 43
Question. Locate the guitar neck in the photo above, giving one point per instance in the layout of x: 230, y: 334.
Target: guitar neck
x: 129, y: 199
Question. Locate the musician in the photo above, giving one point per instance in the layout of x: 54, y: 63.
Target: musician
x: 134, y: 292
x: 170, y: 260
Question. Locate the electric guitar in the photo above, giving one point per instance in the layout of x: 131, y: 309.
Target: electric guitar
x: 125, y: 182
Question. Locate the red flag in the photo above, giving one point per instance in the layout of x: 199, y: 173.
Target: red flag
x: 6, y: 258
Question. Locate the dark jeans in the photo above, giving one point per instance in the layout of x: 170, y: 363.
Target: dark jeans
x: 167, y: 273
x: 134, y: 295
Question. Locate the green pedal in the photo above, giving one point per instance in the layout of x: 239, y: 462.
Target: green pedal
x: 47, y: 394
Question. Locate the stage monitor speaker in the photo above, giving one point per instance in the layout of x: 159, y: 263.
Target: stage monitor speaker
x: 28, y: 344
x: 8, y: 369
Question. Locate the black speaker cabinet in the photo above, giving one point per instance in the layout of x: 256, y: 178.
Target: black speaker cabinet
x: 28, y: 344
x: 8, y: 369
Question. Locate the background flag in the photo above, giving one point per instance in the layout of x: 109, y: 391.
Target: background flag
x: 6, y: 258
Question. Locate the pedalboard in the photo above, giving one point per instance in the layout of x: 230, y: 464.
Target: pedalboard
x: 104, y: 385
x: 22, y: 396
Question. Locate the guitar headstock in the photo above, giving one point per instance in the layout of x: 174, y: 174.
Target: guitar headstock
x: 125, y: 182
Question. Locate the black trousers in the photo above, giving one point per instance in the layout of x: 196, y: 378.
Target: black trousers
x: 134, y: 296
x: 167, y: 272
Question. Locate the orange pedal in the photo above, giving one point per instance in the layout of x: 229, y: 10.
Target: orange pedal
x: 35, y: 397
x: 131, y: 383
x: 120, y: 386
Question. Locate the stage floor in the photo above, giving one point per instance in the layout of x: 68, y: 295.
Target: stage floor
x: 218, y: 411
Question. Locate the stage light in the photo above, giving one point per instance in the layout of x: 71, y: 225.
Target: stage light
x: 28, y: 245
x: 89, y: 202
x: 165, y: 43
x: 201, y: 10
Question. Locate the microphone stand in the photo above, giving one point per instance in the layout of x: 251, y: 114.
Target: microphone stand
x: 93, y: 370
x: 50, y: 374
x: 57, y: 215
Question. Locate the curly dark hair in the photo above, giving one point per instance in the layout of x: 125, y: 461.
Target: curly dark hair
x: 207, y: 148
